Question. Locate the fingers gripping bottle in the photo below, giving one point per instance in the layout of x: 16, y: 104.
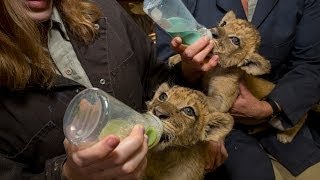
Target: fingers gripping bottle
x: 175, y: 19
x: 93, y: 114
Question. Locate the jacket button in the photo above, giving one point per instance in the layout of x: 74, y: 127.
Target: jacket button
x: 102, y: 81
x: 68, y: 71
x: 96, y: 26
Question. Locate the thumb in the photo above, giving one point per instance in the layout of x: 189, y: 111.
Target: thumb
x: 243, y: 89
x: 176, y: 45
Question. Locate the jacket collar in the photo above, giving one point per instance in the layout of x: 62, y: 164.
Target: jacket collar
x: 263, y: 9
x: 234, y: 5
x: 61, y: 81
x: 56, y: 22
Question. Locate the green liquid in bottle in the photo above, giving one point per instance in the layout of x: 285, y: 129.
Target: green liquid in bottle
x: 181, y: 27
x: 153, y: 137
x: 123, y: 128
x: 118, y: 127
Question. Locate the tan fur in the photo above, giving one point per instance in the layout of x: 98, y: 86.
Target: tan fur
x: 182, y: 150
x: 236, y: 62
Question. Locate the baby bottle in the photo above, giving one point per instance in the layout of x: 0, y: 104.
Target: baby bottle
x: 175, y: 19
x: 93, y: 114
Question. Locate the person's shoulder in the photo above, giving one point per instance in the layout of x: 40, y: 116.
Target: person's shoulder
x: 110, y: 8
x: 107, y: 4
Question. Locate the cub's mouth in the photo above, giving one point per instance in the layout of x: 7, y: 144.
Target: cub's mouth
x: 164, y: 138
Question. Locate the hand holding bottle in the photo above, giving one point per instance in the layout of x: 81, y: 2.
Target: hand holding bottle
x: 195, y: 59
x: 109, y: 158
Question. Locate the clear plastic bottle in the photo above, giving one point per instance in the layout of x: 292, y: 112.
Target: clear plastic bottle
x: 175, y: 19
x: 93, y: 114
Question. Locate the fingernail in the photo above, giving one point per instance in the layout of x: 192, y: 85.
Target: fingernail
x: 142, y: 129
x: 112, y: 141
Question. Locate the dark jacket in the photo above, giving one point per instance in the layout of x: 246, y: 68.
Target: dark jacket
x: 291, y: 41
x: 119, y: 61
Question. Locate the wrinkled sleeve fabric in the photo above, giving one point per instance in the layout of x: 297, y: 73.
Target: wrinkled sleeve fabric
x: 299, y: 89
x: 12, y: 170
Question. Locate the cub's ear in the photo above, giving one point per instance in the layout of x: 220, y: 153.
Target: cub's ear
x: 228, y: 17
x: 164, y: 87
x: 217, y: 126
x: 255, y: 64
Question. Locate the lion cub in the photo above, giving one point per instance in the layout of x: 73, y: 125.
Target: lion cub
x: 236, y: 42
x: 189, y: 122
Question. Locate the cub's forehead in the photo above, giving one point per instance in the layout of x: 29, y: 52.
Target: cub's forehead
x: 240, y: 25
x: 185, y: 94
x: 239, y: 22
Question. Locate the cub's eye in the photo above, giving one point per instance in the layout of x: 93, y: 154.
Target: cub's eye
x: 223, y: 24
x: 235, y: 41
x: 188, y: 111
x: 163, y: 96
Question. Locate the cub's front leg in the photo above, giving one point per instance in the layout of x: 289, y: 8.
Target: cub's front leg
x: 223, y: 91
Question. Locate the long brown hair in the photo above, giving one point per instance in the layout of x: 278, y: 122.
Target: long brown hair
x: 80, y: 16
x: 23, y: 59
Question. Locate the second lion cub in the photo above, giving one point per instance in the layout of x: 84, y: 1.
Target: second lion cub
x: 189, y: 122
x: 236, y: 42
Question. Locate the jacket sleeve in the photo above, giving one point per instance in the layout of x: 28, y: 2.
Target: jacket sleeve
x: 12, y: 170
x: 14, y: 165
x: 299, y: 89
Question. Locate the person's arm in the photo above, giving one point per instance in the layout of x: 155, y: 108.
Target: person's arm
x: 298, y: 90
x: 12, y: 166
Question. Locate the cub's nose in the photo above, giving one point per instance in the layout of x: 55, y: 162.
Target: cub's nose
x: 161, y: 113
x: 215, y: 33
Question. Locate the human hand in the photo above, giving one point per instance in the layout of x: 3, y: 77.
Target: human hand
x: 217, y: 155
x: 195, y: 59
x: 109, y: 158
x: 248, y: 109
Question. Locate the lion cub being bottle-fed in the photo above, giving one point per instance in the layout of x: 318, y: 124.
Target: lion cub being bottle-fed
x: 236, y: 42
x: 189, y: 122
